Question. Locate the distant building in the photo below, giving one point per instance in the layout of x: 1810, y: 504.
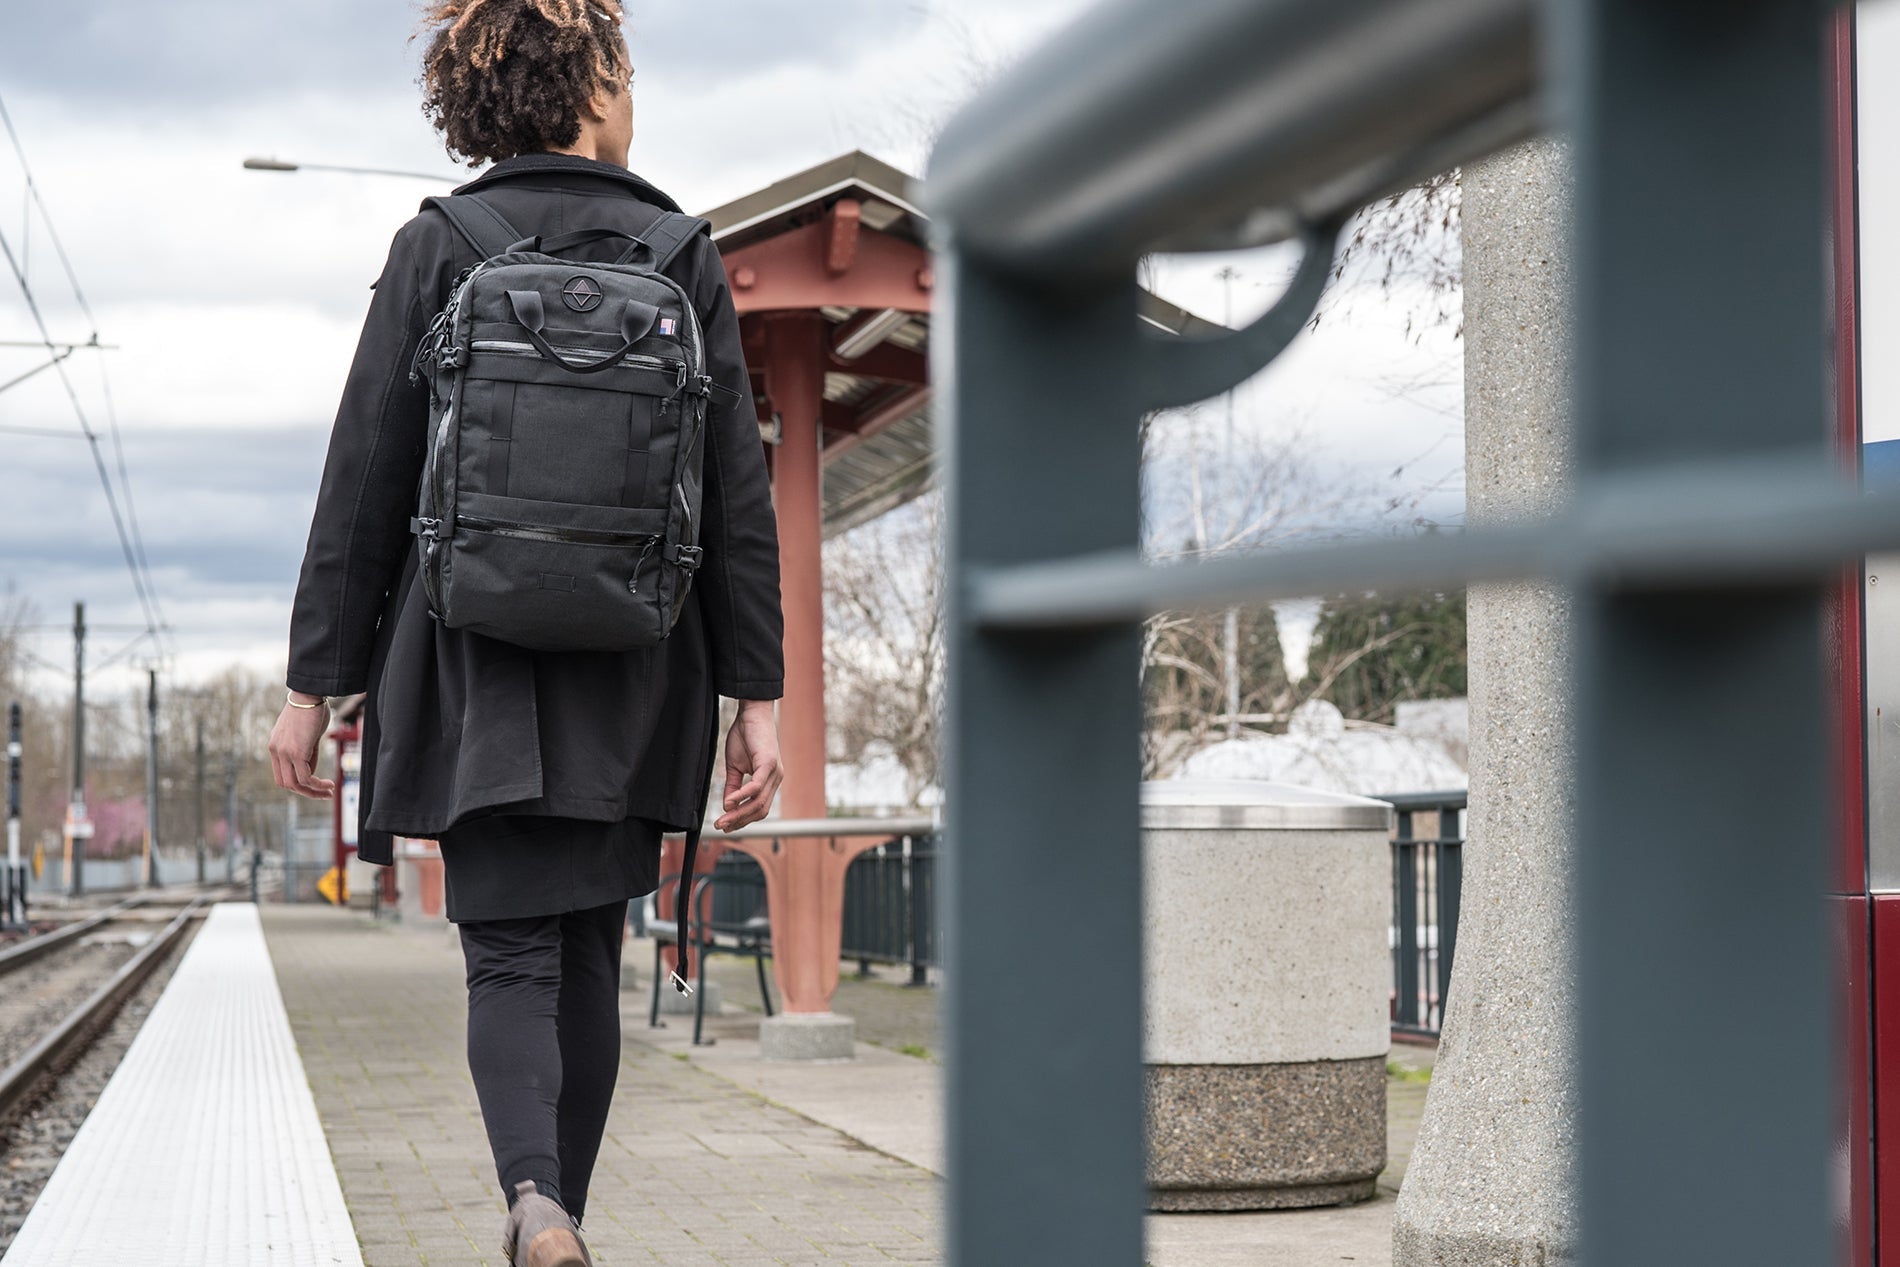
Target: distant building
x: 1324, y: 751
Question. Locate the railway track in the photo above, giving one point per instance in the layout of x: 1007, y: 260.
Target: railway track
x: 40, y: 1034
x: 57, y: 1056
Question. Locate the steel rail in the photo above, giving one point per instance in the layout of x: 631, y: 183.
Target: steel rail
x: 25, y: 952
x: 1203, y: 124
x: 66, y: 1039
x: 1758, y: 519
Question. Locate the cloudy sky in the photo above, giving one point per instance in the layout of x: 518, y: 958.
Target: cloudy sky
x: 233, y: 297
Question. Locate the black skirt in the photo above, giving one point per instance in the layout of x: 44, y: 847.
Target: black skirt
x: 512, y: 866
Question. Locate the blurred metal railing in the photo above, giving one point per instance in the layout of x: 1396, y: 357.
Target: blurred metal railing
x: 1706, y: 515
x: 1427, y: 890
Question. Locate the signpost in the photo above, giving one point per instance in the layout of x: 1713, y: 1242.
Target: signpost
x: 16, y: 875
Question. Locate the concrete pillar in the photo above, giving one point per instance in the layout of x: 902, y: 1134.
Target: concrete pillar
x: 1492, y: 1177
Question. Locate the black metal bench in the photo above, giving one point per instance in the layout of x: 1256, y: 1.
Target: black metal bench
x: 729, y: 917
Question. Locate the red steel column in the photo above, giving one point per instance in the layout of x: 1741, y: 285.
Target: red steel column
x: 805, y: 925
x: 1868, y: 1012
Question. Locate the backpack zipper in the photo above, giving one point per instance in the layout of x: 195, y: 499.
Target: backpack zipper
x: 512, y: 347
x: 633, y: 581
x: 563, y: 536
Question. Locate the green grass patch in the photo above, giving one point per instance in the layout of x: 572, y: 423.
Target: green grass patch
x: 1405, y: 1073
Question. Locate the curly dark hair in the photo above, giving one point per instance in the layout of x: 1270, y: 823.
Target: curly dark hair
x: 507, y: 77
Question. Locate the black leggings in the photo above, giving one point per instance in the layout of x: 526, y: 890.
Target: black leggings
x: 544, y: 1043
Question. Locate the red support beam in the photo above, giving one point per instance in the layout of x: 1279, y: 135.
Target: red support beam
x: 842, y: 251
x: 869, y: 417
x: 794, y: 271
x: 888, y: 362
x: 874, y: 417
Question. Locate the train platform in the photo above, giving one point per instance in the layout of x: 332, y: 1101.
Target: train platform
x: 204, y: 1148
x: 696, y: 1170
x: 299, y: 1096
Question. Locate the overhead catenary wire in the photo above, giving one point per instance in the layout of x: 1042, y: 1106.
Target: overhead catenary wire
x: 126, y: 650
x: 92, y: 438
x: 92, y: 322
x: 125, y: 523
x: 48, y: 433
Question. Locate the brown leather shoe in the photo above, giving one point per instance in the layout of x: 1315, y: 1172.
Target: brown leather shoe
x: 585, y: 1256
x: 539, y: 1233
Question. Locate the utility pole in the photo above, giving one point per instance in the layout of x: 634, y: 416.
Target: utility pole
x: 1230, y: 634
x: 230, y: 818
x: 16, y: 874
x: 199, y: 793
x: 151, y: 778
x: 77, y: 826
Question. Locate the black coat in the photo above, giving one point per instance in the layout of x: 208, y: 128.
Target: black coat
x: 457, y: 722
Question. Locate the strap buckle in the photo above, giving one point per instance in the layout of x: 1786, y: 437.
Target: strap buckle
x: 451, y: 358
x: 687, y: 557
x: 427, y: 529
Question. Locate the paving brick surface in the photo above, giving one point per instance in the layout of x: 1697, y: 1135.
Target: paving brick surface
x: 888, y: 1012
x: 694, y: 1171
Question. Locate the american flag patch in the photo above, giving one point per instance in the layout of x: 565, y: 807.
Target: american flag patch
x: 667, y: 326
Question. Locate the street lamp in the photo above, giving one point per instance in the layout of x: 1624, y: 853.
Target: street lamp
x: 255, y: 164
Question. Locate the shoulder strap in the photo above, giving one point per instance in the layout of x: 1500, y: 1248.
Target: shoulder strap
x: 480, y: 225
x: 669, y: 234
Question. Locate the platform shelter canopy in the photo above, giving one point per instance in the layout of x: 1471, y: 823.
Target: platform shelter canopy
x: 847, y: 240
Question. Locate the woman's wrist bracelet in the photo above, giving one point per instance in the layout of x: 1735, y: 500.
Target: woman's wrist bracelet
x: 290, y: 698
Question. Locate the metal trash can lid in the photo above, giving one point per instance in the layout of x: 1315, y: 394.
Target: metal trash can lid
x: 1224, y: 804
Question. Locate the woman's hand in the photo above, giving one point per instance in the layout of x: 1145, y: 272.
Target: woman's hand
x: 752, y: 768
x: 293, y: 749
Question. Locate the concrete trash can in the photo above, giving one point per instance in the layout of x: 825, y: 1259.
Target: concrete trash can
x: 1267, y: 993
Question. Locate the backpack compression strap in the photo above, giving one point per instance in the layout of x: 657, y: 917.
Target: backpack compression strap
x: 489, y: 232
x: 480, y: 225
x: 682, y: 911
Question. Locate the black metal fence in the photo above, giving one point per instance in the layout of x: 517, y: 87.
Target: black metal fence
x: 1428, y: 840
x: 890, y: 906
x: 737, y: 893
x: 890, y: 890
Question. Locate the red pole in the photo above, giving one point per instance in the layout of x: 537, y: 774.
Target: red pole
x: 1857, y: 926
x: 346, y: 738
x: 795, y: 381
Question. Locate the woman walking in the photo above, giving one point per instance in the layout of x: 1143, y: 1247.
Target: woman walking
x: 547, y: 776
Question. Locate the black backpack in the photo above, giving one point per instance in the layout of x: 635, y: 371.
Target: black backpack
x: 560, y: 497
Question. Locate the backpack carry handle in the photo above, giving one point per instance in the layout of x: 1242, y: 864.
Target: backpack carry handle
x: 635, y: 323
x: 557, y: 243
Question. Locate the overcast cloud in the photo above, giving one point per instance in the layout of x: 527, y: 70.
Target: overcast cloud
x: 234, y: 297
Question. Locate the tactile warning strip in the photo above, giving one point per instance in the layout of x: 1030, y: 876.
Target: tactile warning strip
x: 204, y: 1149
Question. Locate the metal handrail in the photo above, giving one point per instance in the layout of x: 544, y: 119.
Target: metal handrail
x: 1202, y: 124
x: 780, y: 828
x: 1778, y: 515
x: 1450, y: 799
x: 1704, y: 529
